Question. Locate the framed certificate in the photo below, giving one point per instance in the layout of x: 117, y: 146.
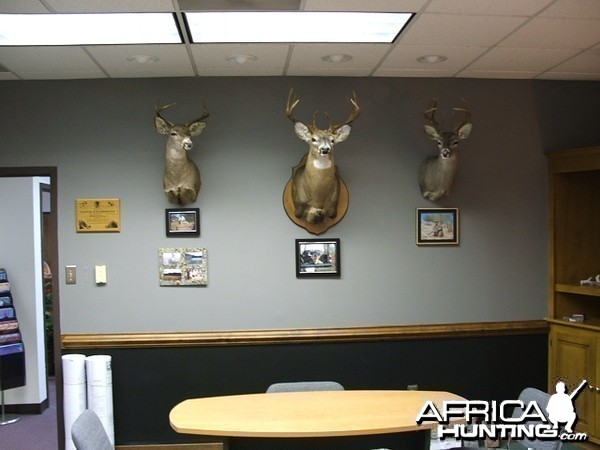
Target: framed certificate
x: 98, y: 215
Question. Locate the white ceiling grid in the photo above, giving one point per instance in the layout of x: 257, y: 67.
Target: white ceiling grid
x: 514, y: 39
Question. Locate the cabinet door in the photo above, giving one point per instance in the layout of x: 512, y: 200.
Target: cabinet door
x: 573, y: 359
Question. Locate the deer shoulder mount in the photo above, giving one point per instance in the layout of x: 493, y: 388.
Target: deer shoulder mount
x: 181, y: 180
x: 436, y: 174
x: 315, y: 182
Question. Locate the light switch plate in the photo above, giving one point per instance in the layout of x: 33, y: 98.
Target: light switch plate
x: 71, y: 274
x: 100, y: 274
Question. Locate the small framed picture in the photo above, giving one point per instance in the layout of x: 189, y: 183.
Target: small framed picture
x: 183, y: 267
x: 318, y: 258
x: 437, y: 226
x: 183, y: 222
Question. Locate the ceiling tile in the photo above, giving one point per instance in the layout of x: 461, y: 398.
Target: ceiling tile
x: 500, y: 74
x: 555, y: 33
x: 307, y: 59
x: 404, y: 57
x: 414, y: 73
x: 22, y: 6
x: 521, y: 59
x: 555, y: 75
x: 574, y: 9
x: 8, y: 76
x: 587, y: 62
x: 488, y: 7
x: 82, y: 6
x: 362, y: 5
x: 49, y: 63
x: 173, y: 60
x: 239, y: 5
x: 211, y: 59
x: 462, y: 31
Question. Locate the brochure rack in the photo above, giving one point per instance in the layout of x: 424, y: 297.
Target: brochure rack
x: 12, y: 351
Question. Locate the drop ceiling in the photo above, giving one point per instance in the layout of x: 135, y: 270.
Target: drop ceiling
x: 506, y: 39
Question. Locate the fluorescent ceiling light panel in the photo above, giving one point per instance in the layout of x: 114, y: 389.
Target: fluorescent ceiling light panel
x: 306, y: 26
x: 88, y: 29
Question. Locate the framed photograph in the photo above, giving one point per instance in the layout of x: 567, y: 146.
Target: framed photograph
x: 183, y: 267
x: 437, y: 226
x: 98, y: 215
x: 318, y: 258
x: 183, y: 222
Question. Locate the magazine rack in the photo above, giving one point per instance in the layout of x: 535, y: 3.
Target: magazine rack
x: 12, y: 352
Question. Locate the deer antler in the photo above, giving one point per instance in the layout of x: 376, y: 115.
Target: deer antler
x: 354, y: 113
x: 161, y: 109
x: 430, y: 114
x: 291, y: 104
x: 205, y: 114
x: 467, y: 113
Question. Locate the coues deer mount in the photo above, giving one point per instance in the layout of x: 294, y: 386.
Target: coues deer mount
x: 181, y: 179
x: 436, y: 174
x: 314, y: 189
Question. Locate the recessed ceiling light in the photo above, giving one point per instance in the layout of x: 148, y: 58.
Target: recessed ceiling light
x: 288, y: 26
x: 89, y: 29
x: 432, y: 59
x: 336, y: 58
x: 241, y: 59
x: 142, y: 59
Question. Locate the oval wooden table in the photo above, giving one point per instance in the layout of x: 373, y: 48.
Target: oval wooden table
x: 306, y: 414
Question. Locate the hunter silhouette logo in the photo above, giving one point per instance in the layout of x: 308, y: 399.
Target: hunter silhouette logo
x: 508, y: 419
x: 560, y: 406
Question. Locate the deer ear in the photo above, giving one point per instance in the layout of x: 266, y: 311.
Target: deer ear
x: 196, y: 128
x: 432, y: 132
x: 342, y: 133
x: 465, y: 130
x: 161, y: 126
x: 302, y: 131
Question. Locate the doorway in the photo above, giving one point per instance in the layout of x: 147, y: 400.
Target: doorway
x: 50, y: 254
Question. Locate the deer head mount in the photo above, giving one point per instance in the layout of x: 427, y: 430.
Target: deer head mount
x: 436, y: 174
x: 315, y: 182
x: 181, y: 180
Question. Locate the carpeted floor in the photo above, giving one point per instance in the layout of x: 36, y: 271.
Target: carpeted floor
x: 33, y: 431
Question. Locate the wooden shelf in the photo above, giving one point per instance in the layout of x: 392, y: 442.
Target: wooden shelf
x: 574, y: 347
x: 593, y: 325
x: 579, y: 290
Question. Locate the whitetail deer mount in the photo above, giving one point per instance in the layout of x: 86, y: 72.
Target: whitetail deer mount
x: 436, y: 174
x: 315, y: 184
x: 181, y: 180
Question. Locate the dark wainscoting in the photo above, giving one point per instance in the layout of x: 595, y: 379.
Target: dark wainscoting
x: 149, y: 379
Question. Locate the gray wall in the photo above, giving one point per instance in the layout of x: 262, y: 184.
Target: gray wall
x: 100, y: 135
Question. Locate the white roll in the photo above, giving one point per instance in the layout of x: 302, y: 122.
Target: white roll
x: 74, y: 392
x: 73, y: 368
x: 99, y: 391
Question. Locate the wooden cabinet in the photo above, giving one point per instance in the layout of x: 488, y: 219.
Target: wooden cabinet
x: 574, y: 347
x: 574, y: 357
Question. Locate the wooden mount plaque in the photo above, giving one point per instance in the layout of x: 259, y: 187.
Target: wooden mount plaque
x: 314, y: 228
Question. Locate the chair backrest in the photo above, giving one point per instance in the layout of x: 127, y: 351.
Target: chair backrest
x: 299, y: 386
x: 88, y: 433
x: 541, y: 398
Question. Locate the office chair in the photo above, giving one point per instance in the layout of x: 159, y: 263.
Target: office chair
x: 299, y: 386
x: 526, y: 396
x: 88, y: 433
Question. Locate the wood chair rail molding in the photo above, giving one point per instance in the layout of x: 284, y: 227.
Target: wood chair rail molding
x: 301, y: 335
